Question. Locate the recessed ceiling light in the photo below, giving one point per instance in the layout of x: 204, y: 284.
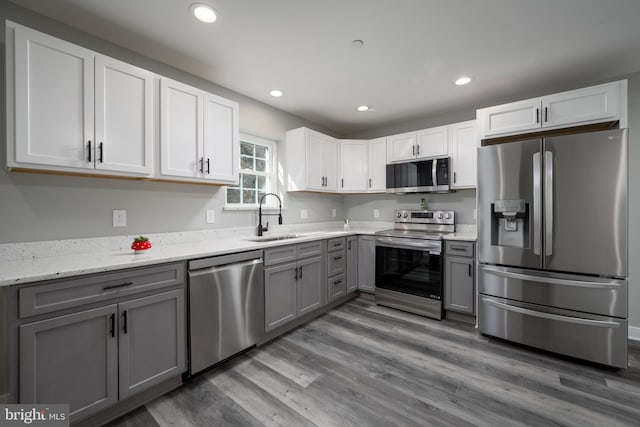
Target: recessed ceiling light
x: 276, y: 93
x: 204, y: 12
x: 363, y: 108
x: 464, y: 80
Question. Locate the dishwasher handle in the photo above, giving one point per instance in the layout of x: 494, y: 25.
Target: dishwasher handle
x: 219, y: 261
x: 234, y: 266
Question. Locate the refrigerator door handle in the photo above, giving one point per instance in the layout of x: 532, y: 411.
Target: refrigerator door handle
x: 550, y: 316
x: 548, y: 203
x: 553, y: 280
x: 537, y: 204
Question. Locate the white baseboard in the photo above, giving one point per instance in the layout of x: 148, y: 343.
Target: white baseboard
x: 634, y: 333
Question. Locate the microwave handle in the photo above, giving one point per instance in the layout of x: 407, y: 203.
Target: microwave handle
x: 434, y: 172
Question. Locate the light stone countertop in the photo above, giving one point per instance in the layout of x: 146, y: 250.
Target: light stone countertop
x: 35, y: 261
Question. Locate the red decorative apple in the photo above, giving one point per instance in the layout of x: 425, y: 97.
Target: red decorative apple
x: 140, y: 244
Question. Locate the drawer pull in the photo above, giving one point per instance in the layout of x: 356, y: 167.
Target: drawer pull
x: 453, y: 248
x: 336, y: 244
x: 337, y: 258
x: 337, y: 282
x: 122, y: 285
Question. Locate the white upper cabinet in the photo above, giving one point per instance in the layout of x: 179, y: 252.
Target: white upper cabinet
x: 601, y: 103
x: 312, y: 161
x: 377, y: 166
x: 353, y: 166
x: 463, y: 146
x: 432, y: 142
x: 401, y: 147
x: 54, y: 91
x: 199, y: 137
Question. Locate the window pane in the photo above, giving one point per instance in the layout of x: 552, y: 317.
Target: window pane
x: 246, y: 162
x: 261, y: 165
x: 233, y: 195
x: 246, y: 148
x: 260, y: 194
x: 262, y: 151
x: 262, y: 183
x: 248, y: 181
x: 249, y: 196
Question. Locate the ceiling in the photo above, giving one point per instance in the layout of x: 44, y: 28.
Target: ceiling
x: 413, y: 49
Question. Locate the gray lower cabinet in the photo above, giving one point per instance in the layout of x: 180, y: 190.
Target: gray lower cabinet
x: 293, y: 289
x: 352, y: 263
x: 93, y: 358
x: 459, y: 284
x: 336, y: 263
x: 71, y: 359
x: 367, y: 263
x: 151, y: 337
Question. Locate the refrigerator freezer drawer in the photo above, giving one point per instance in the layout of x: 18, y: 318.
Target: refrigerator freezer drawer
x: 595, y: 338
x: 607, y: 297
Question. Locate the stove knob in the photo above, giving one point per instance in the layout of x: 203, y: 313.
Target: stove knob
x: 399, y: 215
x: 448, y: 216
x: 405, y: 215
x: 440, y: 216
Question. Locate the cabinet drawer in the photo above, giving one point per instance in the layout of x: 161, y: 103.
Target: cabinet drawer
x: 309, y: 249
x: 335, y: 263
x: 63, y: 294
x: 337, y: 287
x: 460, y: 248
x: 335, y: 244
x: 279, y: 254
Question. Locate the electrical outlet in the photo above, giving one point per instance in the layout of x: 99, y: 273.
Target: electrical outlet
x: 303, y: 214
x: 475, y: 214
x: 333, y: 213
x: 119, y: 218
x: 211, y: 216
x: 376, y: 213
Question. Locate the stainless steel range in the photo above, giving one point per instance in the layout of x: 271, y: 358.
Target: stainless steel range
x: 409, y: 262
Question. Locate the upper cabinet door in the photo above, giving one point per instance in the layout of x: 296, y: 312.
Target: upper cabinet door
x: 124, y: 117
x: 377, y: 165
x: 181, y: 152
x: 509, y: 118
x: 314, y: 157
x: 53, y: 101
x: 463, y: 150
x: 221, y: 140
x: 401, y: 147
x: 432, y: 142
x: 330, y: 163
x: 579, y: 106
x: 353, y: 166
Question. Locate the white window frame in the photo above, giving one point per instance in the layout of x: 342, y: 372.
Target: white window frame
x: 269, y: 202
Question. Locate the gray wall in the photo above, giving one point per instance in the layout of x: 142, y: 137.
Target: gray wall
x: 44, y: 207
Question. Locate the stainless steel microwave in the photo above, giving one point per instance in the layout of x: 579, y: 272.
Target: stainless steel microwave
x: 419, y: 176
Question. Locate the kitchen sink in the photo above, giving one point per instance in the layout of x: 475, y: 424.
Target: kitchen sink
x: 274, y: 238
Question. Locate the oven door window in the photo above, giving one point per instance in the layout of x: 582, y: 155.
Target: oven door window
x: 409, y: 271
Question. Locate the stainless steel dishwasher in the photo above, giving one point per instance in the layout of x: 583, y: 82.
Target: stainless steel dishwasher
x: 226, y: 307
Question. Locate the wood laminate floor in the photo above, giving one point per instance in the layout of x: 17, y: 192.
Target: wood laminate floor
x: 365, y: 365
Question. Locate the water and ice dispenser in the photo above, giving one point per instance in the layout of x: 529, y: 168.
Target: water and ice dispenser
x: 510, y: 223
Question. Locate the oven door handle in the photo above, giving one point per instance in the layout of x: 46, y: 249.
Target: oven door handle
x: 390, y: 242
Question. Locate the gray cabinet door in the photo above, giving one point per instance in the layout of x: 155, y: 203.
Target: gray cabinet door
x: 279, y: 295
x: 71, y: 359
x: 310, y: 285
x: 459, y: 293
x: 152, y: 341
x: 367, y: 263
x: 352, y: 263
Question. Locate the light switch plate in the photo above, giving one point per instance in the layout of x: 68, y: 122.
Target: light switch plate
x: 303, y: 214
x: 210, y: 216
x: 376, y: 213
x: 119, y: 218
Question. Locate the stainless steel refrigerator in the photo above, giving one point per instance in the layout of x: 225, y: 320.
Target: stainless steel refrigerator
x: 553, y: 230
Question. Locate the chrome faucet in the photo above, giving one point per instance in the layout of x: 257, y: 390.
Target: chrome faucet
x: 262, y: 229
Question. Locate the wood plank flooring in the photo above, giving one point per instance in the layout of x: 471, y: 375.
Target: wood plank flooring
x: 365, y: 365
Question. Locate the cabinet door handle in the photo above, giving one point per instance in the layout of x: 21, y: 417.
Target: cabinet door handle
x: 300, y: 274
x: 124, y: 321
x: 342, y: 182
x: 469, y: 270
x: 122, y: 285
x: 369, y: 182
x: 418, y: 149
x: 537, y: 115
x: 349, y: 245
x: 414, y: 149
x: 208, y: 166
x: 89, y: 149
x: 113, y: 325
x: 101, y: 150
x: 546, y: 114
x: 295, y: 273
x: 454, y: 177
